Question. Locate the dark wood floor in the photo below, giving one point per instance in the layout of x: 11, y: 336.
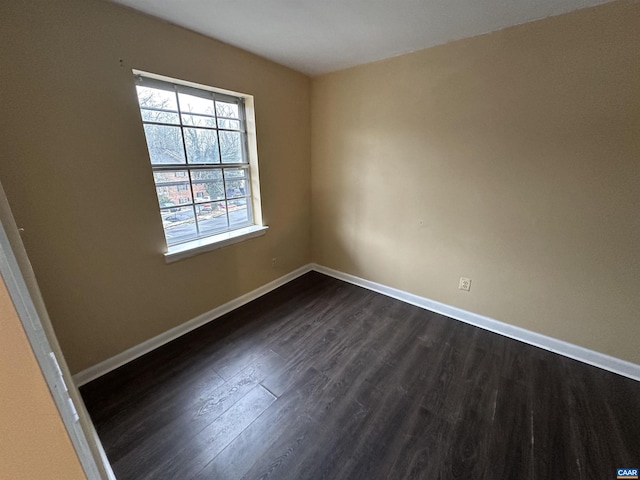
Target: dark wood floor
x: 324, y: 380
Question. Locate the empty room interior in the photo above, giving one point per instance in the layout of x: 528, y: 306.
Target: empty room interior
x: 387, y: 240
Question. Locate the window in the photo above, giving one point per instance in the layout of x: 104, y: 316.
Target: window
x: 199, y: 151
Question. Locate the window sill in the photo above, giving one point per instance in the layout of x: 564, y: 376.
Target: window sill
x: 195, y: 247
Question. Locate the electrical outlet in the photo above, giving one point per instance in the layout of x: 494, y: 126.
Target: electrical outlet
x: 465, y: 284
x: 274, y: 262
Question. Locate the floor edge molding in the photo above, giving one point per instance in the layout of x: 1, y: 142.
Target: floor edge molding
x: 576, y: 352
x: 106, y: 366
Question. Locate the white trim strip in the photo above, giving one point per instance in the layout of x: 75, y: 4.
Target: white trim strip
x: 189, y: 249
x: 32, y: 323
x: 102, y: 368
x: 591, y: 357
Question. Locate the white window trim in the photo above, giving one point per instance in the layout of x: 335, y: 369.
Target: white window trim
x: 205, y: 244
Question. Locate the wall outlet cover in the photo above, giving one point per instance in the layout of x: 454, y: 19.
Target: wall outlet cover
x: 465, y: 284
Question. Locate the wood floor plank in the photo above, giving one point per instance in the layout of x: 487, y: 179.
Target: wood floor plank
x: 320, y: 379
x: 286, y: 417
x: 424, y: 444
x: 620, y: 398
x: 511, y: 418
x: 143, y: 378
x: 286, y: 452
x: 209, y: 442
x: 194, y: 417
x: 143, y: 417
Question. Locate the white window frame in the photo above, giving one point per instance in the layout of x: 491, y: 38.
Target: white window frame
x: 254, y: 227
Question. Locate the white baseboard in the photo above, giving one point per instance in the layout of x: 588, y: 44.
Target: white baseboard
x: 91, y: 373
x: 591, y: 357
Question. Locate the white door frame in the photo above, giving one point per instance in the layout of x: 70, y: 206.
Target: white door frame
x: 19, y: 278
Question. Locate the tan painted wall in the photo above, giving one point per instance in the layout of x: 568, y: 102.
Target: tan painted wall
x: 511, y: 158
x: 77, y: 175
x: 33, y: 441
x: 518, y: 151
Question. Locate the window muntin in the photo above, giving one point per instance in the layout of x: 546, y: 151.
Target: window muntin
x: 197, y: 142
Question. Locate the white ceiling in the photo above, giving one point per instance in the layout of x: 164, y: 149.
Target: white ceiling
x: 320, y: 36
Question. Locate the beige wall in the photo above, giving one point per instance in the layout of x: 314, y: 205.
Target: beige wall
x: 33, y: 441
x: 77, y: 175
x: 511, y: 158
